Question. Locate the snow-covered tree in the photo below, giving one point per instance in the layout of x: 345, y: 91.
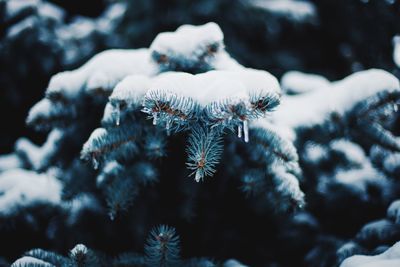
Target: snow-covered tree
x: 177, y: 155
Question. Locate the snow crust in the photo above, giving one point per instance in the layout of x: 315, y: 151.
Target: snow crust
x: 225, y: 62
x: 187, y: 39
x: 19, y: 187
x: 103, y: 71
x: 312, y: 108
x: 389, y: 258
x: 9, y: 161
x: 296, y: 82
x: 215, y: 86
x: 131, y: 89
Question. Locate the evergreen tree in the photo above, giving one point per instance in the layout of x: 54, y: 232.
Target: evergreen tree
x: 177, y: 155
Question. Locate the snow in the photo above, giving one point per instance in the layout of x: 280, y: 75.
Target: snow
x: 291, y: 9
x: 288, y: 183
x: 225, y: 62
x: 392, y: 162
x: 187, y: 39
x: 49, y: 10
x: 9, y: 161
x: 37, y: 156
x: 109, y: 168
x: 314, y: 152
x: 359, y: 176
x: 352, y: 151
x: 94, y: 141
x: 103, y: 71
x: 113, y: 13
x: 389, y: 258
x: 396, y: 50
x: 41, y: 107
x: 40, y: 10
x: 296, y: 82
x: 79, y: 249
x: 381, y: 231
x: 131, y: 90
x: 314, y: 107
x: 360, y: 179
x: 216, y: 86
x: 233, y: 263
x: 393, y: 211
x: 14, y: 7
x: 31, y: 261
x: 20, y: 188
x: 18, y: 28
x: 78, y: 205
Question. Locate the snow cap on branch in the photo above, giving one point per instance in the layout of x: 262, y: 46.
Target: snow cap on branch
x: 340, y: 97
x: 227, y: 98
x: 188, y: 48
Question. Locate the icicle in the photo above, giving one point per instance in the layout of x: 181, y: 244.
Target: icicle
x: 118, y: 114
x: 246, y: 130
x: 155, y: 118
x: 240, y: 131
x: 197, y: 176
x: 395, y: 107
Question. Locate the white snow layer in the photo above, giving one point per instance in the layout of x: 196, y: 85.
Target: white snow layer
x: 131, y: 89
x: 359, y: 177
x: 215, y: 86
x: 296, y: 82
x: 389, y: 258
x: 19, y: 187
x: 396, y: 50
x: 103, y: 71
x: 31, y: 261
x: 313, y: 107
x: 291, y: 9
x: 187, y: 39
x: 38, y: 156
x: 45, y: 9
x: 9, y: 161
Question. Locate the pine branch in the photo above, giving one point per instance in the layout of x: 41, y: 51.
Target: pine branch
x: 45, y: 115
x: 253, y: 182
x: 127, y: 96
x: 204, y: 151
x: 115, y: 143
x: 170, y: 110
x: 269, y: 148
x: 155, y: 145
x: 81, y: 256
x: 47, y: 256
x: 120, y: 195
x: 162, y: 247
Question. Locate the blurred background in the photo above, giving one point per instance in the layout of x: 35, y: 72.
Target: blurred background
x: 333, y: 38
x: 329, y: 37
